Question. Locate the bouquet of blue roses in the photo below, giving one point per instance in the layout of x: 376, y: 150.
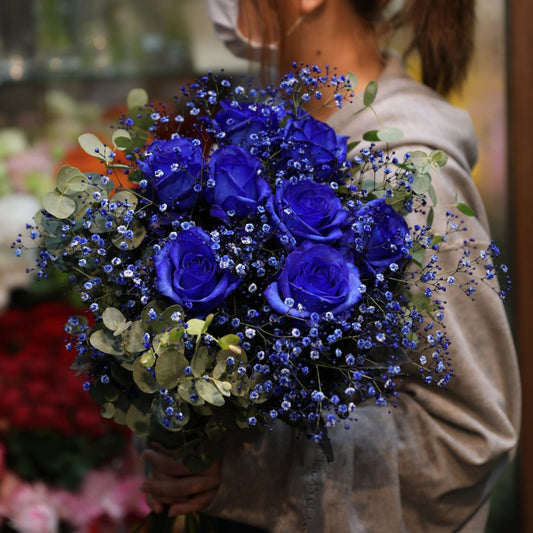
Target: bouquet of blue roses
x: 242, y: 263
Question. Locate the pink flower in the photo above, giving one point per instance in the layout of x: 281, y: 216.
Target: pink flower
x: 31, y: 510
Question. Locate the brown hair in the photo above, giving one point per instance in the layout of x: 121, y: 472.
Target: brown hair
x: 440, y: 31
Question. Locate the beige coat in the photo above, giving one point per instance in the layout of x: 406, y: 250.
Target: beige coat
x: 428, y: 465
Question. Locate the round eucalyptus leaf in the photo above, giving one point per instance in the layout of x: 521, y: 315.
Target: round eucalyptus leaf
x: 224, y: 387
x: 127, y: 198
x: 71, y: 180
x: 195, y: 326
x: 108, y: 410
x: 137, y: 98
x: 121, y: 139
x: 92, y: 145
x: 390, y: 135
x: 188, y: 393
x: 170, y: 367
x: 139, y: 233
x: 143, y: 378
x: 59, y: 205
x: 138, y: 421
x: 209, y: 392
x: 106, y: 342
x: 133, y: 338
x: 113, y: 319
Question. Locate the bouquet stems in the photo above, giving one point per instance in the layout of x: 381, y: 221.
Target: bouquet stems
x: 161, y: 522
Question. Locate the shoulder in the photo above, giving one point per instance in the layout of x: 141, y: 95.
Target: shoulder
x: 425, y: 118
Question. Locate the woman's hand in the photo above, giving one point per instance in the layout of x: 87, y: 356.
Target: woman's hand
x: 170, y: 482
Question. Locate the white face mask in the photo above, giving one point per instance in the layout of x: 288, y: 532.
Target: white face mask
x: 224, y: 15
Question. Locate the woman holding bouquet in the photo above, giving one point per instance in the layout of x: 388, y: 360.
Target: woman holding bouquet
x: 431, y: 463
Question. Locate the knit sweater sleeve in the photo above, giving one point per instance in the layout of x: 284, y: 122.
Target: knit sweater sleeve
x: 430, y: 463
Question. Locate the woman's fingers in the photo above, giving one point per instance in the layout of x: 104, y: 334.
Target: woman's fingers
x: 171, y: 482
x: 178, y: 489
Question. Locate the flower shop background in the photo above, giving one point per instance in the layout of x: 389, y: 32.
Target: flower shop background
x: 66, y: 67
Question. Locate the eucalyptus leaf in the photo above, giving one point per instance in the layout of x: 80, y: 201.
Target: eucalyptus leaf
x: 430, y: 217
x: 199, y: 361
x: 351, y: 146
x: 188, y: 393
x: 421, y: 183
x: 70, y: 180
x: 127, y: 198
x: 438, y: 158
x: 170, y: 367
x: 137, y: 98
x: 113, y: 319
x: 466, y: 209
x: 133, y: 338
x: 195, y: 326
x: 108, y: 410
x: 143, y: 378
x: 106, y: 342
x: 227, y: 340
x: 92, y: 145
x: 139, y: 233
x: 209, y: 392
x: 370, y: 93
x: 121, y: 139
x: 138, y: 421
x: 147, y: 359
x: 59, y: 205
x: 224, y: 387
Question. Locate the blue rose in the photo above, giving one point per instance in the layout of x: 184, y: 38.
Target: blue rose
x: 173, y: 168
x: 237, y: 188
x: 315, y: 144
x: 188, y: 273
x: 247, y: 123
x: 380, y: 237
x: 306, y: 210
x: 315, y: 279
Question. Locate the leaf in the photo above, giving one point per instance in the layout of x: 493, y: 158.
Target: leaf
x: 106, y: 342
x: 92, y: 145
x: 137, y: 98
x: 108, y: 410
x: 144, y: 378
x: 199, y: 361
x: 421, y: 183
x: 351, y: 146
x: 195, y: 326
x: 419, y: 159
x: 227, y: 340
x: 431, y: 216
x: 139, y: 233
x: 133, y: 338
x: 59, y: 205
x: 438, y: 158
x: 138, y: 421
x: 121, y: 139
x: 351, y: 80
x: 370, y: 93
x: 170, y: 367
x: 147, y: 359
x: 127, y: 198
x: 187, y: 392
x: 70, y: 180
x: 224, y: 387
x: 209, y: 392
x: 371, y: 136
x: 466, y: 209
x: 113, y: 319
x: 390, y: 135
